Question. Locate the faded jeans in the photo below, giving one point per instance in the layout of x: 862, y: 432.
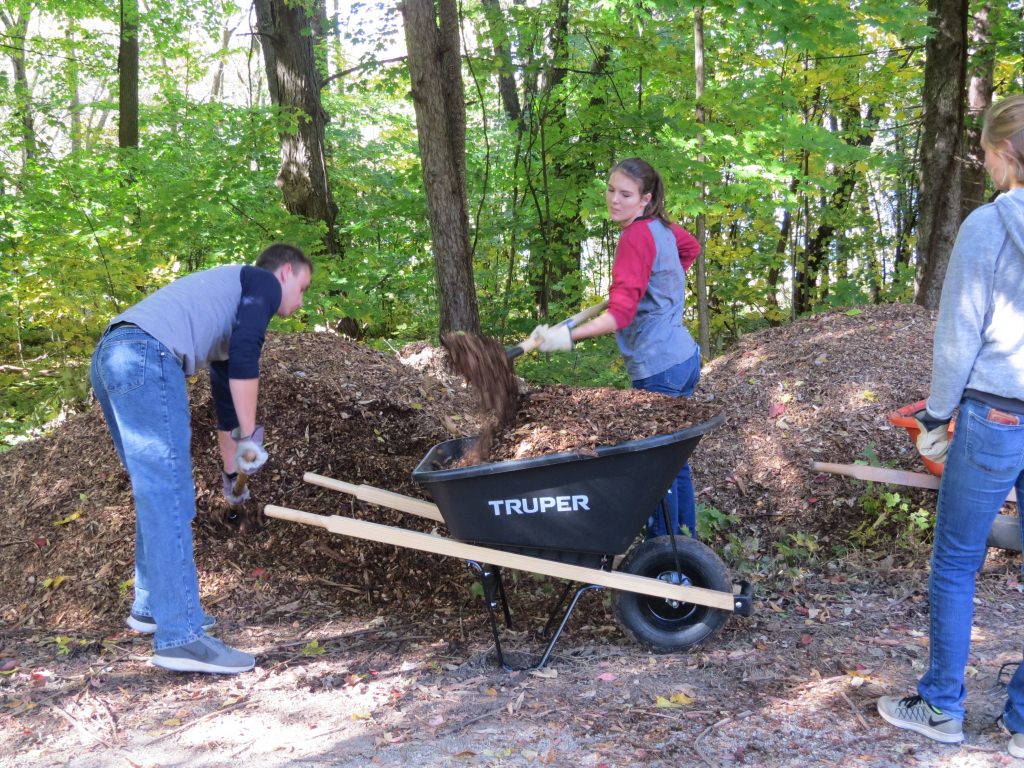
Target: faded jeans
x: 678, y: 381
x: 986, y: 460
x: 141, y: 388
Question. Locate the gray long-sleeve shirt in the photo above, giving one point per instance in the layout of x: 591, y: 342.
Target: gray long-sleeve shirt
x: 979, y: 338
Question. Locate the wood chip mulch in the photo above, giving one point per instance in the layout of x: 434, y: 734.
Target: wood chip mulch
x: 820, y: 388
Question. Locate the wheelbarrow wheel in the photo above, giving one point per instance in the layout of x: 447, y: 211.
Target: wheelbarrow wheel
x: 668, y: 625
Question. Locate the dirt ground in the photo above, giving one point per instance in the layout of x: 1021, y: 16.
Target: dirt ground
x: 374, y: 655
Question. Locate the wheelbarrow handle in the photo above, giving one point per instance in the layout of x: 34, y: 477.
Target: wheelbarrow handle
x: 530, y: 343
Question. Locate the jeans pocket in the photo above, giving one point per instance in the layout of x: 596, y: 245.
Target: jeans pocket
x: 992, y: 447
x: 123, y: 365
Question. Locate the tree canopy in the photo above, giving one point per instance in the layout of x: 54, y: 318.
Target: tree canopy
x: 805, y: 164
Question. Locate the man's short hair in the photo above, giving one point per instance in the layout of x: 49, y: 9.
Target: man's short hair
x: 279, y: 254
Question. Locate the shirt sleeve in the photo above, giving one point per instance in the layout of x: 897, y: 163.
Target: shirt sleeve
x: 260, y: 299
x: 689, y: 248
x: 223, y: 405
x: 631, y: 272
x: 963, y: 312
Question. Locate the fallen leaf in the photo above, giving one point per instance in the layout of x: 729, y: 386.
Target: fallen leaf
x: 65, y: 520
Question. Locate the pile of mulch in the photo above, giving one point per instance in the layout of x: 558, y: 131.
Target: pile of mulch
x: 331, y: 407
x: 560, y: 418
x: 820, y: 389
x: 817, y: 389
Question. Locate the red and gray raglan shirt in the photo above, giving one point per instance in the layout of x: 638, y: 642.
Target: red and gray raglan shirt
x: 214, y: 319
x: 648, y: 293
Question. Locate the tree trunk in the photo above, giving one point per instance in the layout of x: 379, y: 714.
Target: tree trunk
x: 14, y: 32
x: 128, y: 76
x: 294, y: 83
x: 217, y: 89
x: 979, y: 97
x: 503, y: 53
x: 944, y: 81
x: 703, y: 318
x: 435, y: 69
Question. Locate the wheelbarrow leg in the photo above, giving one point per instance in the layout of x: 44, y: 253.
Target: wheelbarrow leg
x: 565, y: 620
x: 546, y: 632
x: 494, y: 594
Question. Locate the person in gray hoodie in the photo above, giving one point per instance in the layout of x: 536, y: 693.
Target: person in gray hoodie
x: 978, y: 366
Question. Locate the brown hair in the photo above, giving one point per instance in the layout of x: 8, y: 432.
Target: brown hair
x: 650, y: 181
x: 1003, y: 133
x: 279, y: 254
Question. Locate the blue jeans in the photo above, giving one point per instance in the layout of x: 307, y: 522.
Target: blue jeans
x: 986, y: 460
x: 141, y: 388
x: 678, y: 381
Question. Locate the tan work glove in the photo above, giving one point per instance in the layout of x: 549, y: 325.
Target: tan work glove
x: 933, y: 438
x: 557, y: 338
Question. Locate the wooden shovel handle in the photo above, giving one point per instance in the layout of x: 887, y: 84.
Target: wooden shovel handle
x: 242, y: 478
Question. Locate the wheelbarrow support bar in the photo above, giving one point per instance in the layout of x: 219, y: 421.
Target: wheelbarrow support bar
x: 426, y: 542
x: 373, y: 495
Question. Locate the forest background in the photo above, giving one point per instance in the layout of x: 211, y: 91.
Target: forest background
x: 444, y: 161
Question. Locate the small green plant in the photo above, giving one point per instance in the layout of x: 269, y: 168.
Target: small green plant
x: 889, y: 513
x: 798, y: 548
x: 711, y: 521
x: 314, y: 648
x: 66, y: 645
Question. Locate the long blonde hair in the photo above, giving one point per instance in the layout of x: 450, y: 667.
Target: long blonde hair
x: 1003, y: 133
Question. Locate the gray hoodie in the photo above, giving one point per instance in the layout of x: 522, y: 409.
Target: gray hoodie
x: 979, y: 338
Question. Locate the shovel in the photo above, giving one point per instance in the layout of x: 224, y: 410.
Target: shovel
x: 530, y: 343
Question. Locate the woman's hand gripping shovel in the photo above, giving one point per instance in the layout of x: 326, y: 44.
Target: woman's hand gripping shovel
x: 532, y: 342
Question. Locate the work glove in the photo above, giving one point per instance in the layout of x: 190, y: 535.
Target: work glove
x: 933, y: 437
x: 249, y: 453
x: 557, y: 338
x: 228, y: 486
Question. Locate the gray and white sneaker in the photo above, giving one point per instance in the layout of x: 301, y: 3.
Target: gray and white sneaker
x: 913, y: 713
x: 1015, y: 746
x: 207, y: 654
x: 147, y: 624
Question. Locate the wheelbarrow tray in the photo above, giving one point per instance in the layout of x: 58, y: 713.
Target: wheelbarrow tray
x: 560, y: 503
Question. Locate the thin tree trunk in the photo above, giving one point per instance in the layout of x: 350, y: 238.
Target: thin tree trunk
x: 74, y: 103
x: 944, y: 83
x: 503, y: 53
x: 217, y: 89
x: 703, y: 317
x: 979, y: 97
x: 15, y: 30
x: 433, y: 43
x: 294, y: 84
x: 128, y: 76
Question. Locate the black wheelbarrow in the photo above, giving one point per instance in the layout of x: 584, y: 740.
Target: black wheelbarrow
x: 568, y: 515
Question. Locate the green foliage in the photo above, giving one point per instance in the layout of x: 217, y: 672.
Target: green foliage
x: 889, y: 516
x: 812, y: 112
x: 798, y: 548
x: 592, y: 363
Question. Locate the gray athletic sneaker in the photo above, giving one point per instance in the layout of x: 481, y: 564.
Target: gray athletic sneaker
x: 913, y: 713
x: 147, y: 624
x: 207, y: 654
x: 1015, y: 746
